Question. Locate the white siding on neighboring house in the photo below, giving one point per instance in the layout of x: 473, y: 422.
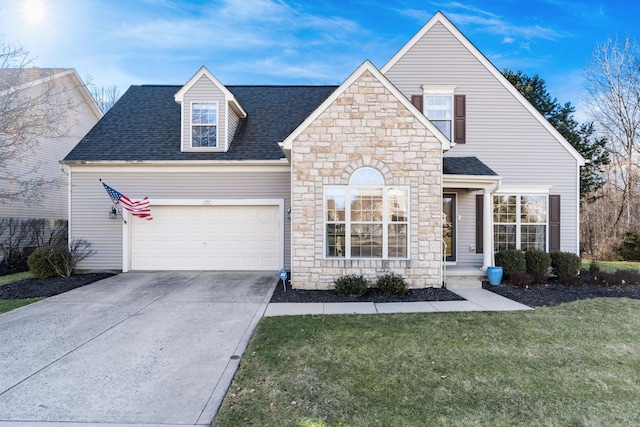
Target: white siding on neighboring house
x: 500, y: 131
x: 204, y: 90
x: 91, y: 205
x: 44, y: 160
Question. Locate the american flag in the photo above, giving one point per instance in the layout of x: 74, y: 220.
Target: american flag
x: 140, y: 208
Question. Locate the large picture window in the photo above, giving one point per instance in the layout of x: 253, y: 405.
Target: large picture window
x: 520, y: 222
x: 366, y: 219
x: 204, y: 124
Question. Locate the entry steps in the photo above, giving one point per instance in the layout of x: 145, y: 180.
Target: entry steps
x: 464, y: 277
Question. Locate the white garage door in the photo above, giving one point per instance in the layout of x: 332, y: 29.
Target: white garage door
x: 206, y: 238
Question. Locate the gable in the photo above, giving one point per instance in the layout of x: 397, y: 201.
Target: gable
x: 204, y: 99
x: 366, y: 67
x: 439, y: 54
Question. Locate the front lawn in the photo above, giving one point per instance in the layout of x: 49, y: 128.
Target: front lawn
x: 574, y: 364
x: 613, y: 266
x: 8, y: 305
x: 11, y: 304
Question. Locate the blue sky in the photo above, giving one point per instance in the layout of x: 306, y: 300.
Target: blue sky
x: 124, y: 42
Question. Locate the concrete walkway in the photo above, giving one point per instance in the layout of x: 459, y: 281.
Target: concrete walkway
x: 476, y: 300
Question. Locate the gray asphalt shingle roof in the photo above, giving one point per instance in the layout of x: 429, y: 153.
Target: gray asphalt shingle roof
x: 145, y: 124
x: 465, y: 166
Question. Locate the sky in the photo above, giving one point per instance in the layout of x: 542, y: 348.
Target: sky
x: 305, y: 42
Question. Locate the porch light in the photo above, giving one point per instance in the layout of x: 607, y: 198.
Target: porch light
x: 113, y: 213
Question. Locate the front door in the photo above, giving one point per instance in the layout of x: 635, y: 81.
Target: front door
x: 449, y: 225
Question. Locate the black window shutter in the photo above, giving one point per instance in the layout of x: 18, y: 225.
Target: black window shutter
x: 479, y: 223
x: 554, y: 222
x: 417, y: 100
x: 460, y: 118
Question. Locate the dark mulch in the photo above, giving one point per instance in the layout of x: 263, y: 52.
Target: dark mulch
x: 555, y: 293
x: 372, y: 295
x: 35, y: 288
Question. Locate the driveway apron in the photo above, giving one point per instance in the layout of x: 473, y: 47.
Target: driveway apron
x: 136, y: 348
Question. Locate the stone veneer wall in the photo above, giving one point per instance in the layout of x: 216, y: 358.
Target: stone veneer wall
x: 366, y: 126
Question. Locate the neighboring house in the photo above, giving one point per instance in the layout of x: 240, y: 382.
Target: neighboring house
x: 61, y: 96
x: 327, y: 181
x: 68, y: 99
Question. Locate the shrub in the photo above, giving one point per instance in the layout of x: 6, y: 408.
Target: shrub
x: 565, y: 262
x: 520, y: 279
x: 566, y: 266
x: 594, y: 267
x: 351, y: 285
x: 42, y: 260
x: 538, y: 262
x: 629, y: 249
x: 60, y: 259
x: 392, y: 284
x: 511, y: 261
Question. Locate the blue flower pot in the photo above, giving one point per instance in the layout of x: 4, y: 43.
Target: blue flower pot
x: 494, y: 274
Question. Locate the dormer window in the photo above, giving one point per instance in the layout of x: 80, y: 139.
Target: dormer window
x: 204, y: 124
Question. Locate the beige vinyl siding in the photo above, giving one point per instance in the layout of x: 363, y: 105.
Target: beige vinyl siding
x: 91, y: 204
x: 233, y: 125
x: 204, y: 90
x: 500, y: 131
x: 44, y: 160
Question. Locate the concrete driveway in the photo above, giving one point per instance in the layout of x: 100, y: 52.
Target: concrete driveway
x: 136, y: 348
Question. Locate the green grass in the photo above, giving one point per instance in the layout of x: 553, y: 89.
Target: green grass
x: 571, y: 365
x: 10, y: 278
x: 11, y: 304
x: 613, y: 266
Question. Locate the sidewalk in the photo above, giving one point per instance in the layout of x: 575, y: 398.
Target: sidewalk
x: 476, y: 300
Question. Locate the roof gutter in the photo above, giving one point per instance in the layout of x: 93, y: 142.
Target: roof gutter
x: 280, y: 162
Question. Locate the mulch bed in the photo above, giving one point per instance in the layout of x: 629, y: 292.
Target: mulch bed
x: 555, y: 293
x: 534, y: 295
x: 372, y: 295
x: 36, y: 288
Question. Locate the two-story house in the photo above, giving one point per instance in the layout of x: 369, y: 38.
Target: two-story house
x: 433, y: 161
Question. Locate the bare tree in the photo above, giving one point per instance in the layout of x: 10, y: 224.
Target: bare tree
x: 28, y: 113
x: 612, y: 89
x: 105, y: 96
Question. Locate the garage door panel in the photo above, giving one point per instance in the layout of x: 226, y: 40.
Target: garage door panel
x: 207, y: 238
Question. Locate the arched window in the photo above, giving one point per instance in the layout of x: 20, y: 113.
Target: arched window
x: 366, y: 219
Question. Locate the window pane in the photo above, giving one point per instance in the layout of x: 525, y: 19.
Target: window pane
x: 533, y: 237
x: 335, y: 203
x: 505, y: 209
x: 444, y: 126
x: 335, y: 240
x: 504, y: 237
x: 366, y: 176
x: 397, y: 205
x: 397, y: 241
x: 533, y: 209
x: 366, y: 204
x: 366, y: 240
x: 204, y: 113
x: 439, y: 107
x: 203, y: 136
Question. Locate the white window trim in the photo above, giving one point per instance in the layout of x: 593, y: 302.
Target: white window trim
x: 441, y: 90
x: 385, y: 223
x: 518, y: 224
x: 219, y: 146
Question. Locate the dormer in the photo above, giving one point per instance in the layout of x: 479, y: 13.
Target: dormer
x: 210, y: 114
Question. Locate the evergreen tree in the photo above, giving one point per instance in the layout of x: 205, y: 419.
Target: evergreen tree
x: 581, y: 136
